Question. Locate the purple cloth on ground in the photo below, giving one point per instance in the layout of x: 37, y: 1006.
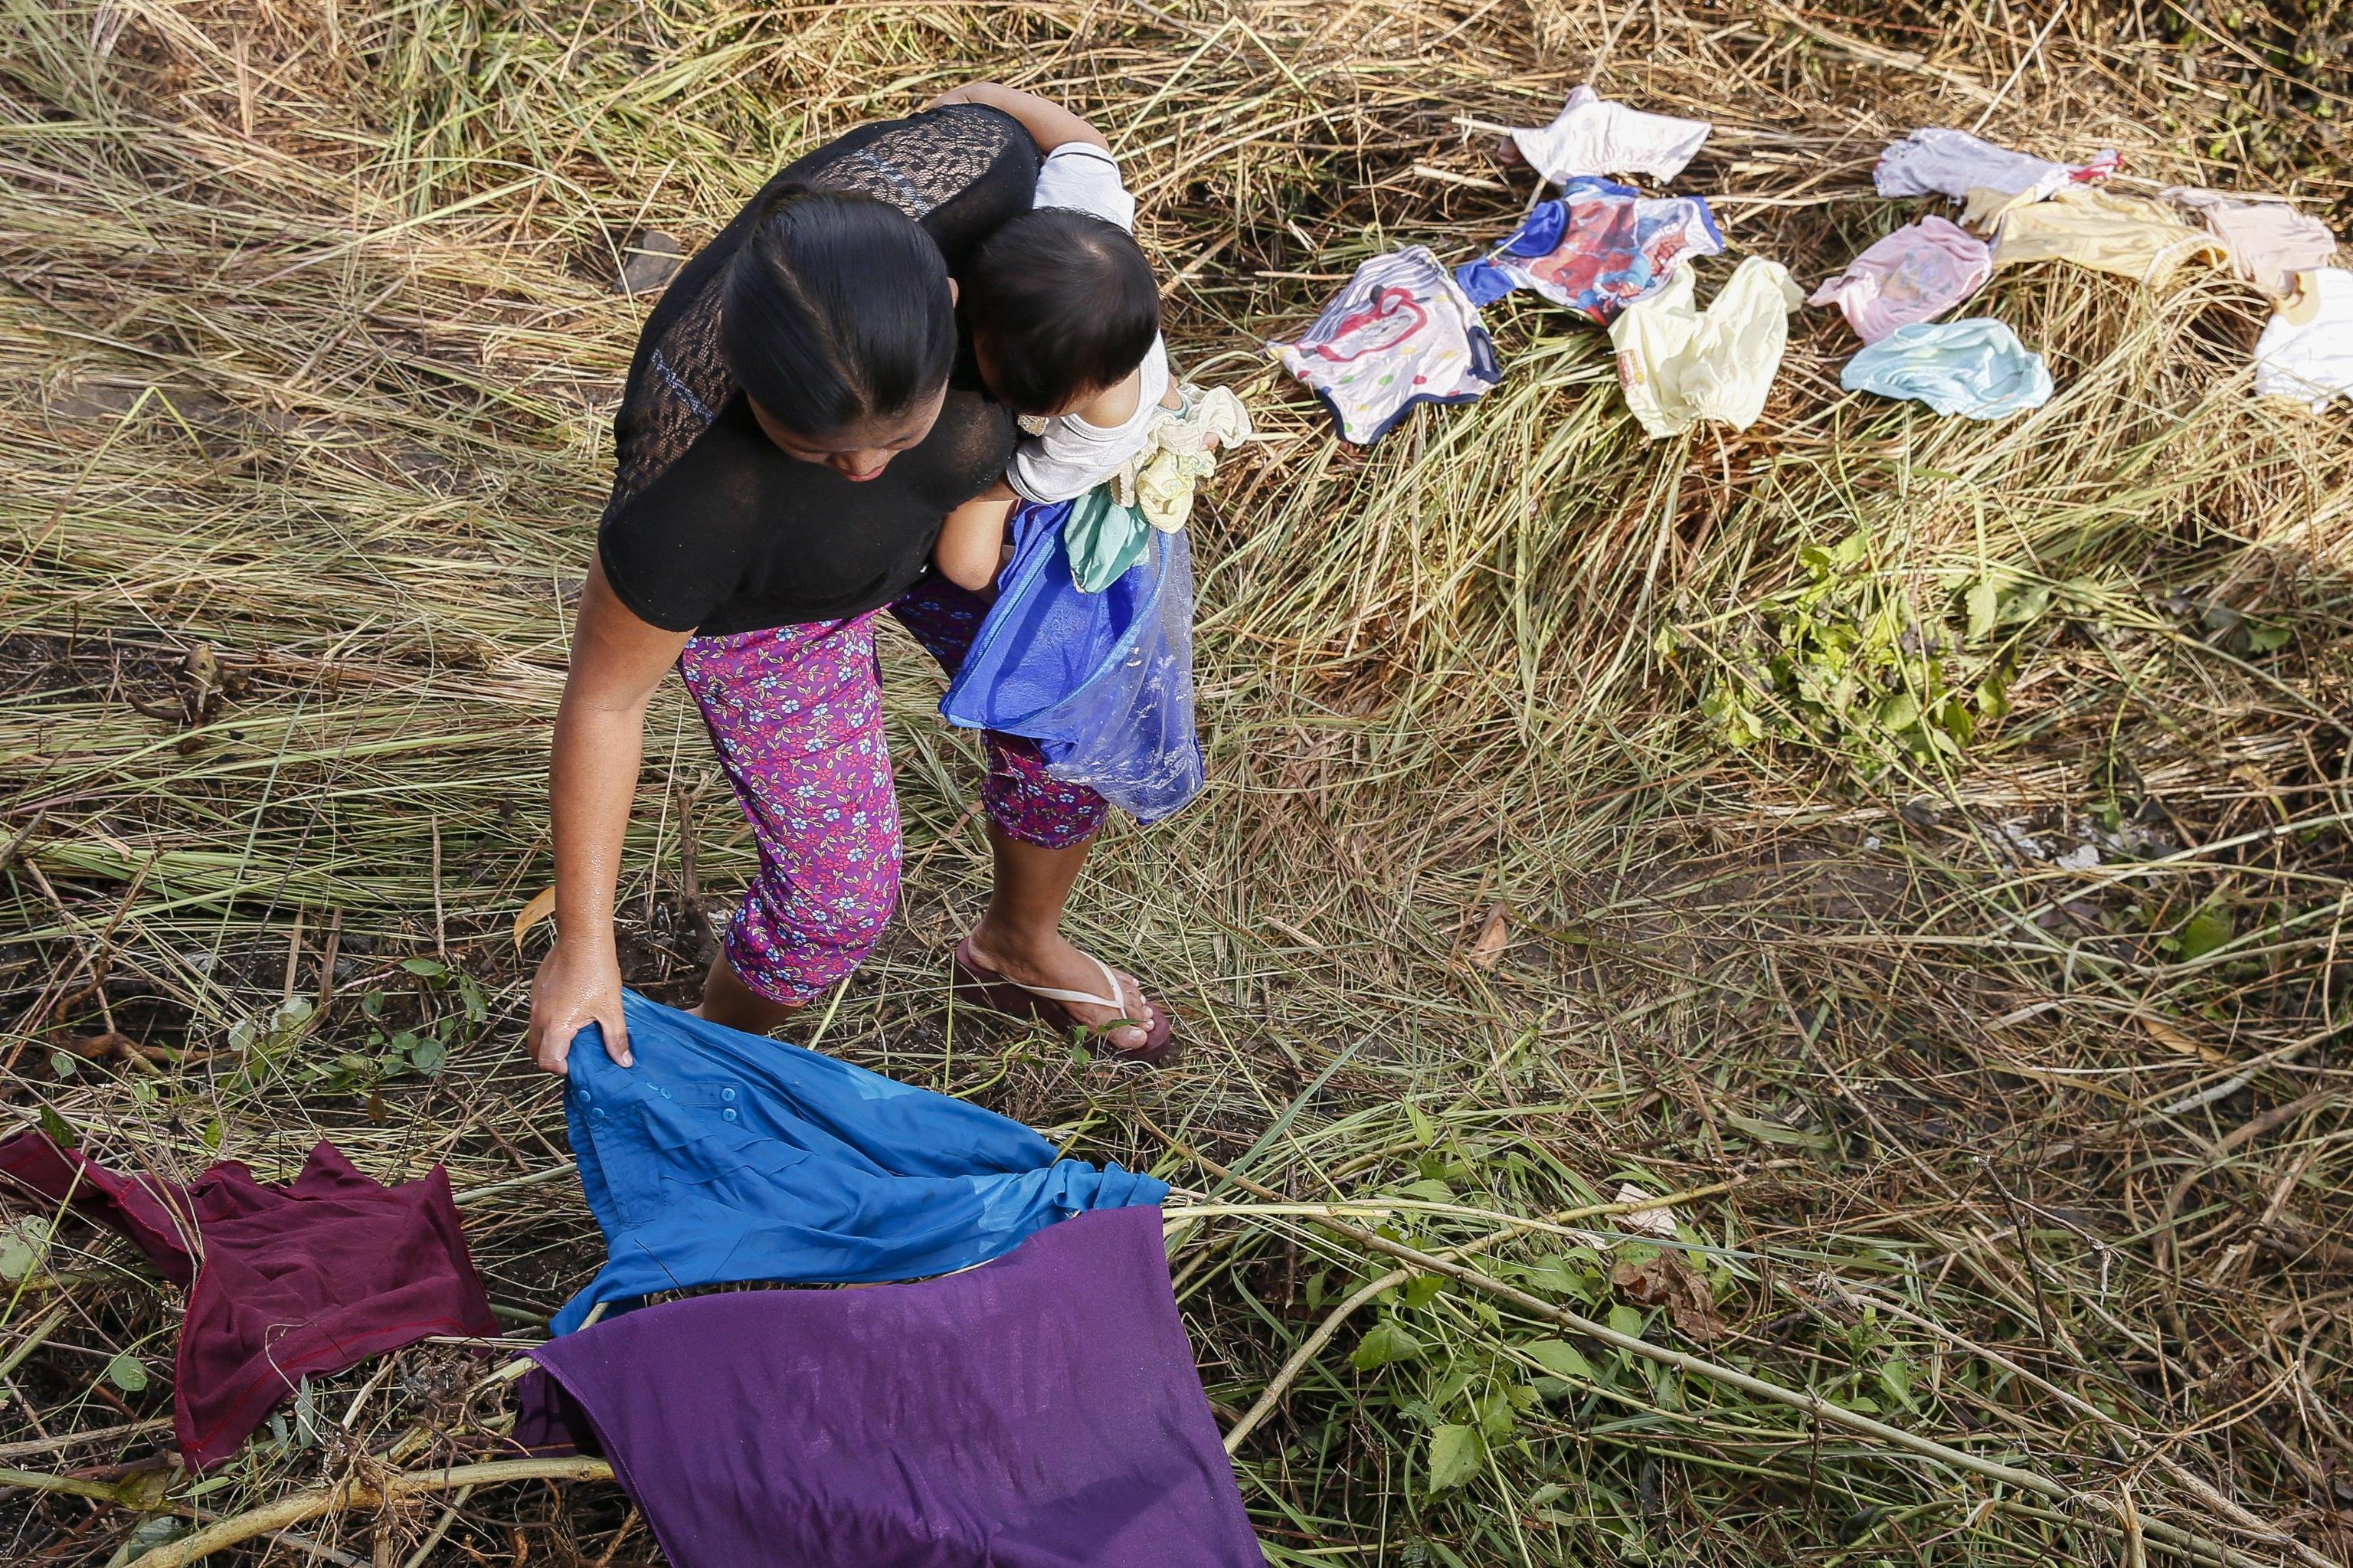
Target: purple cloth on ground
x: 1041, y: 1411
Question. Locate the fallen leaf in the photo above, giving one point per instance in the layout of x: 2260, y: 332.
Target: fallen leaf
x: 1668, y: 1281
x: 1659, y: 1221
x: 2178, y: 1043
x: 542, y: 905
x: 1493, y: 937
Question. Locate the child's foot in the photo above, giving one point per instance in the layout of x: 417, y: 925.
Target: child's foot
x: 1058, y: 984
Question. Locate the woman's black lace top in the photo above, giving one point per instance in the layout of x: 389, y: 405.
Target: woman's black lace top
x: 710, y: 528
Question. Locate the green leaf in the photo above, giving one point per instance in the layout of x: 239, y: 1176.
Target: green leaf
x: 23, y: 1246
x: 1386, y: 1341
x: 306, y: 1415
x: 215, y: 1133
x: 1765, y: 1132
x: 1425, y: 1130
x: 1561, y: 1358
x: 1900, y: 711
x: 157, y: 1530
x: 61, y: 1131
x: 125, y: 1373
x: 1627, y: 1320
x: 2265, y: 639
x: 1982, y: 601
x: 2026, y: 606
x: 428, y: 1056
x: 1895, y: 1377
x: 1430, y: 1191
x: 64, y: 1064
x: 1454, y: 1456
x: 2203, y: 932
x: 1561, y: 1276
x: 431, y: 968
x: 1421, y: 1290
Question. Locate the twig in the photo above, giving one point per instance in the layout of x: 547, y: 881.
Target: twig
x: 351, y: 1494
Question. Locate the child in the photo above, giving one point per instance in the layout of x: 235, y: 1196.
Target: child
x: 1066, y: 328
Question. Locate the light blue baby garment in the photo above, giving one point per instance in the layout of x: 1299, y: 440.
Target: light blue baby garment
x: 1976, y: 367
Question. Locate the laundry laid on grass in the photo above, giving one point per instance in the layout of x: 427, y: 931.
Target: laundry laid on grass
x: 1596, y: 250
x: 2130, y: 235
x: 1918, y: 272
x: 1681, y: 365
x: 2306, y: 350
x: 1594, y: 135
x: 1986, y: 179
x: 2269, y: 241
x: 1976, y: 367
x: 284, y: 1283
x: 1043, y: 1409
x: 719, y: 1158
x: 1401, y: 333
x: 1102, y: 681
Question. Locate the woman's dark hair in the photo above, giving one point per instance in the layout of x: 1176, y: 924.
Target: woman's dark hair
x: 1064, y: 303
x: 835, y: 310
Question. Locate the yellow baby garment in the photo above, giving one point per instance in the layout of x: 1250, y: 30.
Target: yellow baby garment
x: 2124, y: 234
x: 1181, y: 450
x: 1680, y: 365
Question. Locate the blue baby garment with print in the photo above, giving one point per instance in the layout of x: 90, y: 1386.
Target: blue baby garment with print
x: 720, y: 1157
x: 1598, y: 248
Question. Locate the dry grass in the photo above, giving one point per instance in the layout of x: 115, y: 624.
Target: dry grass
x: 2039, y: 1160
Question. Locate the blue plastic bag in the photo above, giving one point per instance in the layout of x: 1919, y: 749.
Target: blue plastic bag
x: 720, y: 1157
x: 1102, y: 681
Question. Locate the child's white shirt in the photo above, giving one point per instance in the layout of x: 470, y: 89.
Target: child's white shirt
x: 1070, y: 456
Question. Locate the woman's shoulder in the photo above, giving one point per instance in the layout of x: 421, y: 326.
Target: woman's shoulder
x: 925, y: 161
x: 966, y: 450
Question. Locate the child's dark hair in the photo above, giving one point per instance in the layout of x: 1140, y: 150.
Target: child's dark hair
x: 835, y: 310
x: 1063, y: 304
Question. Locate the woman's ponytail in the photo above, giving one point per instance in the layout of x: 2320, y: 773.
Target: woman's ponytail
x: 837, y: 309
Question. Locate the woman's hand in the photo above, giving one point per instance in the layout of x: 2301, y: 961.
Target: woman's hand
x: 578, y: 984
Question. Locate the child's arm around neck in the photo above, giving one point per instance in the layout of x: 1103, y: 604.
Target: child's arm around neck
x: 1050, y: 124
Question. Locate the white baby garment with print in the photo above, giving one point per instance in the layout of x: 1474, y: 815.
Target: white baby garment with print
x: 1401, y: 332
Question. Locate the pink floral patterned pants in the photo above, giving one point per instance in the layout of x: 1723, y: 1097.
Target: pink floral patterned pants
x: 797, y: 716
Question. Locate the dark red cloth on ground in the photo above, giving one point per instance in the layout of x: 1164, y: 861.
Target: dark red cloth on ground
x: 152, y: 1213
x: 292, y: 1282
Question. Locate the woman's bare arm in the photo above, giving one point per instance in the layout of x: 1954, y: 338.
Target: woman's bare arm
x: 617, y: 661
x: 1049, y: 123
